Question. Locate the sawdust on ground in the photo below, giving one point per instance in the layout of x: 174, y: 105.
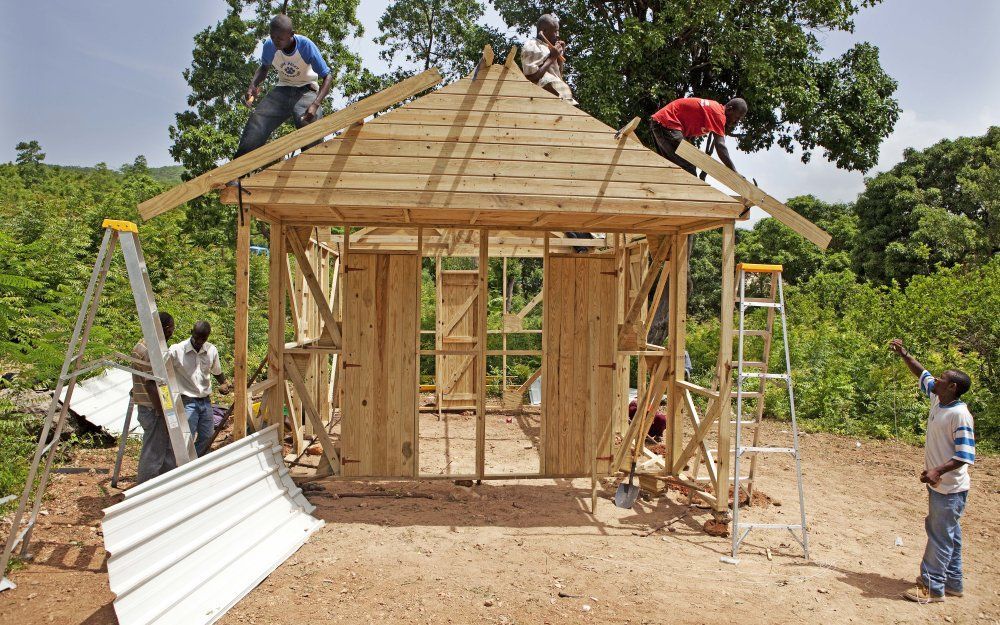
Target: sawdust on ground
x: 530, y: 551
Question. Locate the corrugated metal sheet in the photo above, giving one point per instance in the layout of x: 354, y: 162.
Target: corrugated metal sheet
x: 103, y: 399
x: 189, y: 544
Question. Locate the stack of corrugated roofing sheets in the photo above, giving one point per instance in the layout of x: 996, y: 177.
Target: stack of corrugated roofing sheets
x: 186, y: 546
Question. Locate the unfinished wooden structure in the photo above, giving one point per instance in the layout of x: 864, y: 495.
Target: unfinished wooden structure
x: 489, y: 166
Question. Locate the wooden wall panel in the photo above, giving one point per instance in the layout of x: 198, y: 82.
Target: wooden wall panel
x: 380, y: 344
x: 579, y: 349
x: 455, y: 293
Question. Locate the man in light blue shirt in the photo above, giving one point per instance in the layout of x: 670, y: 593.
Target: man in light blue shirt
x: 949, y: 450
x: 298, y: 96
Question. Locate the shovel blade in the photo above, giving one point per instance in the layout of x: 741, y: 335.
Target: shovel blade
x: 626, y: 495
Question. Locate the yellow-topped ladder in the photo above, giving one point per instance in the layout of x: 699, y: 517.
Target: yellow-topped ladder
x: 756, y: 373
x: 125, y: 234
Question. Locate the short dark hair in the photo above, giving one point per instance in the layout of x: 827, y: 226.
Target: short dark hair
x: 202, y: 328
x: 166, y: 319
x: 282, y: 22
x: 961, y: 379
x: 739, y: 104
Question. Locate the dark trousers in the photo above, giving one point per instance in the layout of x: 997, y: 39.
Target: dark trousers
x: 667, y: 141
x: 280, y: 104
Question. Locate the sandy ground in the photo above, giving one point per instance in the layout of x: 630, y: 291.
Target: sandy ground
x: 504, y: 551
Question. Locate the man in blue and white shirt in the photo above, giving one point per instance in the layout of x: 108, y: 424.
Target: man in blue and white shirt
x: 298, y: 95
x: 948, y: 451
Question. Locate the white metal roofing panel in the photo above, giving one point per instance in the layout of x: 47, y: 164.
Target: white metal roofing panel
x: 103, y: 400
x: 189, y: 544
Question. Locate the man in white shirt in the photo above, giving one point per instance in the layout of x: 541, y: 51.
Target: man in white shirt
x: 542, y: 58
x: 196, y: 361
x: 949, y: 449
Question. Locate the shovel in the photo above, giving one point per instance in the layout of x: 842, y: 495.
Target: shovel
x: 626, y: 494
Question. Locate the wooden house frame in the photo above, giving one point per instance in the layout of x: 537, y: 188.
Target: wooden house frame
x: 489, y: 166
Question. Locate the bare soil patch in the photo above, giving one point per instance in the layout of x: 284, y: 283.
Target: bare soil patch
x: 524, y: 551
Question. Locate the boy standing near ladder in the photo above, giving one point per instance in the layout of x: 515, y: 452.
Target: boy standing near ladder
x: 157, y: 456
x: 198, y: 361
x: 948, y: 451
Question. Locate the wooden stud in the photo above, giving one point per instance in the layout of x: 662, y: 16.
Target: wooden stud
x: 276, y: 324
x: 725, y: 364
x: 241, y: 399
x: 484, y: 273
x: 676, y: 335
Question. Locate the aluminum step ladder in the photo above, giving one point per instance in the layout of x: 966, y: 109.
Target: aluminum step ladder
x: 758, y: 370
x: 125, y: 234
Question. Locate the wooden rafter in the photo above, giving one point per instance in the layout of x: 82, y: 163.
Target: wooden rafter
x: 287, y: 144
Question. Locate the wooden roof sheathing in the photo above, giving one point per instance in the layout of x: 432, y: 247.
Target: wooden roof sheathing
x: 491, y: 151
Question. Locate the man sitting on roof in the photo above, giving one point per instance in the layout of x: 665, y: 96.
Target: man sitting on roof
x: 694, y: 117
x: 542, y: 58
x: 299, y: 64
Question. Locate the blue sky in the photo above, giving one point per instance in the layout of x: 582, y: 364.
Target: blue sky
x: 101, y: 80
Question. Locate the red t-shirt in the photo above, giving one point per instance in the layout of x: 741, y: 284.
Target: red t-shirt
x: 694, y: 117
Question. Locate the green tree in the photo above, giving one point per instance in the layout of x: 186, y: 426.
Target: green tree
x: 223, y: 63
x: 937, y: 206
x: 630, y: 58
x: 29, y: 161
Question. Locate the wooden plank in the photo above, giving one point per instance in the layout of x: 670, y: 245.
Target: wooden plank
x: 278, y: 148
x: 456, y: 376
x: 502, y: 136
x: 639, y: 300
x: 380, y: 355
x: 579, y: 353
x: 460, y: 312
x: 556, y: 122
x: 750, y: 192
x: 676, y: 337
x: 319, y: 428
x: 241, y: 398
x: 725, y: 363
x: 535, y: 104
x: 276, y: 324
x: 323, y: 184
x: 481, y: 314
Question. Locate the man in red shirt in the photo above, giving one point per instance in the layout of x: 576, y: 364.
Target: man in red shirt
x: 694, y: 117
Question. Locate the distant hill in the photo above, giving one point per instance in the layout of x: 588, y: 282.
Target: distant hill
x: 168, y: 174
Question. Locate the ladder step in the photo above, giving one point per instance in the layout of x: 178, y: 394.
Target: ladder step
x: 768, y: 526
x: 756, y: 364
x: 746, y: 394
x: 768, y: 450
x: 743, y: 423
x: 769, y: 376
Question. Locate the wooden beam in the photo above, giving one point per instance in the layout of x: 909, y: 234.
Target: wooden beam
x: 750, y: 192
x: 511, y: 61
x: 725, y: 363
x: 287, y: 144
x: 242, y: 326
x: 640, y: 297
x: 484, y: 273
x: 276, y: 325
x: 315, y: 288
x: 676, y: 337
x: 319, y: 428
x: 627, y: 129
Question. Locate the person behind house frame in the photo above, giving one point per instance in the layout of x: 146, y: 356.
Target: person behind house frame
x: 949, y: 450
x: 157, y: 455
x: 298, y: 96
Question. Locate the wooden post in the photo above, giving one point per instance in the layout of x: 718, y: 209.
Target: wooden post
x: 724, y: 367
x: 542, y: 434
x: 242, y: 327
x: 276, y: 326
x: 484, y: 274
x: 503, y: 328
x: 419, y: 307
x: 676, y: 334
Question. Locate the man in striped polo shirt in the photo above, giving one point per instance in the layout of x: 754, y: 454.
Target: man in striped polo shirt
x: 949, y: 450
x: 157, y: 456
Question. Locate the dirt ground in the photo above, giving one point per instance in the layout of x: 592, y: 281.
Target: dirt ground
x: 525, y: 551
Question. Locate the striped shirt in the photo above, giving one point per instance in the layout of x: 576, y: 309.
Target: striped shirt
x: 950, y: 435
x: 139, y: 395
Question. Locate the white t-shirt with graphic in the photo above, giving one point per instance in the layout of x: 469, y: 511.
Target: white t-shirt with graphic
x: 303, y: 66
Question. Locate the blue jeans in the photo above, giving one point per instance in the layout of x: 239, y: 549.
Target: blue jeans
x: 942, y: 564
x: 278, y: 105
x: 199, y: 414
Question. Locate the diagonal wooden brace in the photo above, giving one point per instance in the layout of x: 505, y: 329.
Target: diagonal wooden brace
x: 330, y: 324
x: 329, y: 451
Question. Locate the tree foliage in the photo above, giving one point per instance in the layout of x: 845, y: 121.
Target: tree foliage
x: 628, y: 59
x: 938, y: 206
